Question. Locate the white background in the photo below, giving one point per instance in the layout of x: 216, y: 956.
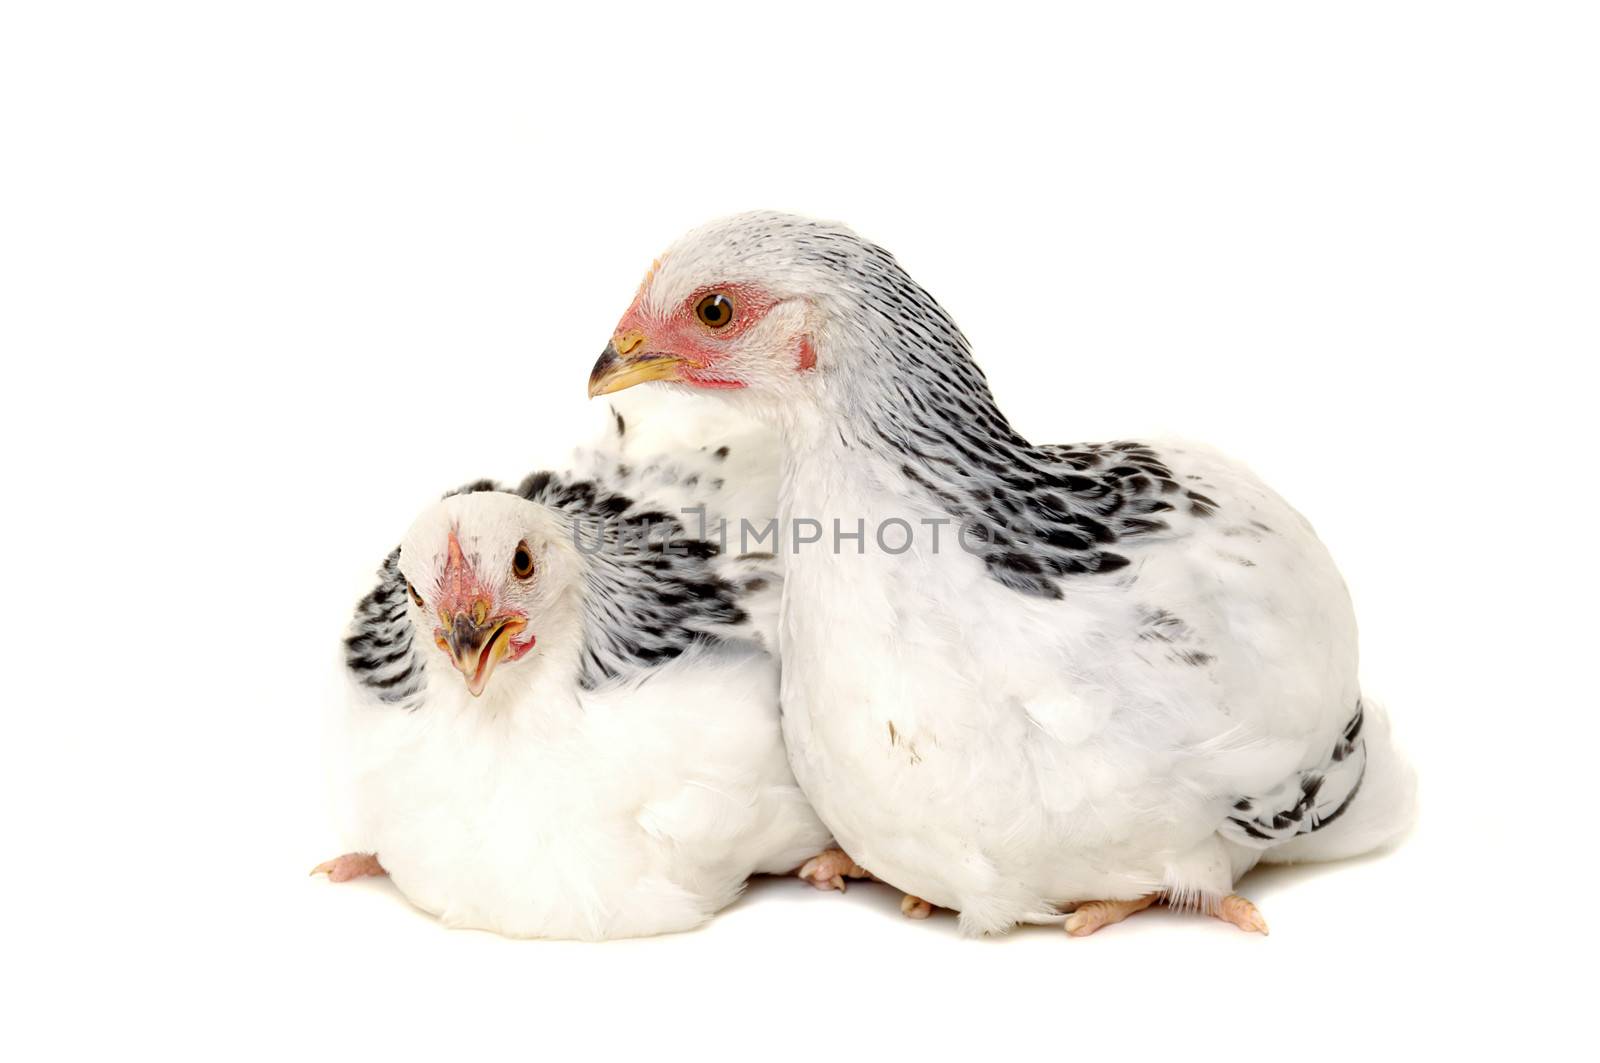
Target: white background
x: 274, y: 275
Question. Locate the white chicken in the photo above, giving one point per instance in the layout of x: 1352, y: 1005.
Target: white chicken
x: 1018, y: 679
x: 562, y: 718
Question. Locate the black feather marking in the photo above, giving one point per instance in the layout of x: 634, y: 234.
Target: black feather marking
x: 1051, y: 509
x: 1292, y: 809
x: 652, y: 592
x: 379, y: 651
x: 473, y: 488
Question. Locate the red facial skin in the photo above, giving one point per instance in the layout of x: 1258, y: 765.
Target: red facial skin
x: 521, y: 645
x: 460, y: 590
x: 698, y: 346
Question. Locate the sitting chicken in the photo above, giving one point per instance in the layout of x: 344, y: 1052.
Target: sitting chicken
x: 1069, y: 677
x: 563, y: 715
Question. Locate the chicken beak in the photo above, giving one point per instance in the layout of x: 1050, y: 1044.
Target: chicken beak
x: 619, y: 367
x: 476, y: 647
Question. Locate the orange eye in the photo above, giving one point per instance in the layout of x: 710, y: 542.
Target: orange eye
x: 414, y: 595
x: 714, y: 311
x: 522, y: 562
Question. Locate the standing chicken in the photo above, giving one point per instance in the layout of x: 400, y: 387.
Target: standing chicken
x: 562, y: 720
x: 1018, y: 678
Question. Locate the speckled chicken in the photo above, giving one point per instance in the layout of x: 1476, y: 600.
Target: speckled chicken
x: 1045, y: 678
x: 562, y: 718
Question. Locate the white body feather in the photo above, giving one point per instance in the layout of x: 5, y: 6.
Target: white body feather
x: 635, y: 810
x: 1005, y: 755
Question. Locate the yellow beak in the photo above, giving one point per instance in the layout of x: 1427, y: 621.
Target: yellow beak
x: 619, y: 367
x: 476, y: 646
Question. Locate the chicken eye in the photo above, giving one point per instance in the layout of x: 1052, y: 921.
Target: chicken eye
x: 522, y: 562
x: 414, y: 595
x: 714, y: 311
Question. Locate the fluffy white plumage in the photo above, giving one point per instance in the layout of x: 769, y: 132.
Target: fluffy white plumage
x: 1144, y: 682
x: 590, y: 791
x: 1014, y: 755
